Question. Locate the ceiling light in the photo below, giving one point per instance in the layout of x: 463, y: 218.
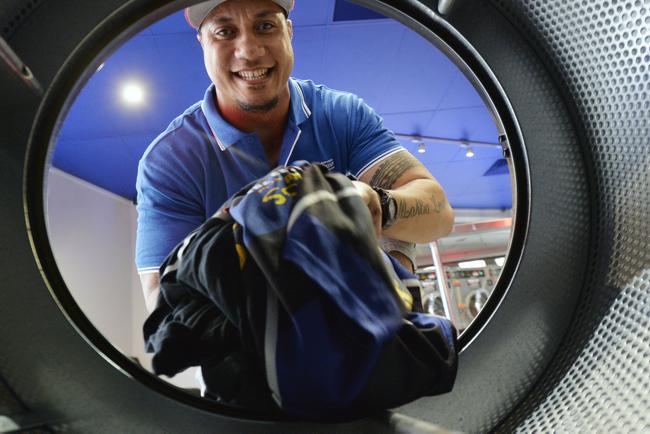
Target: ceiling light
x: 133, y: 93
x: 422, y: 148
x: 469, y: 153
x: 500, y: 261
x: 472, y: 264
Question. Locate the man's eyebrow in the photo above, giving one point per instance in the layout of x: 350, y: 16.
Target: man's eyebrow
x: 221, y: 19
x: 265, y: 13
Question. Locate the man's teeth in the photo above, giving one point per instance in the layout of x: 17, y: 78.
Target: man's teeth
x: 253, y: 75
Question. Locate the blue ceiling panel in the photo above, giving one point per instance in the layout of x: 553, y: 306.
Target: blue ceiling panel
x: 473, y: 123
x: 413, y: 123
x: 500, y: 167
x: 471, y: 166
x: 346, y: 11
x: 111, y: 162
x: 160, y: 109
x: 461, y: 94
x: 174, y: 23
x: 467, y: 190
x: 487, y: 192
x: 312, y: 12
x: 480, y: 153
x: 435, y: 154
x: 308, y: 43
x: 186, y: 65
x: 453, y: 183
x: 424, y: 75
x: 437, y: 170
x: 98, y: 112
x: 139, y: 54
x: 489, y: 185
x: 358, y: 58
x: 82, y: 121
x: 169, y: 89
x: 468, y: 174
x: 150, y: 117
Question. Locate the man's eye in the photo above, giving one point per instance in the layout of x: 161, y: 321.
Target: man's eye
x: 223, y: 33
x: 265, y: 26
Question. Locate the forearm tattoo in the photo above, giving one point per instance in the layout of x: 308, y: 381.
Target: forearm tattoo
x: 389, y: 172
x: 418, y: 208
x: 437, y: 204
x: 391, y: 169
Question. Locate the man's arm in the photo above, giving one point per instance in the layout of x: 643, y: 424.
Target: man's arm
x: 150, y: 289
x: 423, y: 212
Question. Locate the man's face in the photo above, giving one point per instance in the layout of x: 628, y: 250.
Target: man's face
x: 248, y: 54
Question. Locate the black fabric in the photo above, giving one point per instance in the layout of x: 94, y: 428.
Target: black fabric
x: 212, y: 307
x: 432, y: 367
x: 416, y: 293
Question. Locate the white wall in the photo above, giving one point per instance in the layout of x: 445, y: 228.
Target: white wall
x: 92, y: 233
x: 91, y: 236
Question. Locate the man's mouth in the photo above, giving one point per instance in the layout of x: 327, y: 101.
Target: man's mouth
x: 255, y: 74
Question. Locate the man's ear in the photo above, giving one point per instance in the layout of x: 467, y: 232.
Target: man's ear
x: 290, y: 28
x: 198, y: 38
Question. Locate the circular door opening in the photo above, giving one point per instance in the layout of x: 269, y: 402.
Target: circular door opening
x: 82, y: 158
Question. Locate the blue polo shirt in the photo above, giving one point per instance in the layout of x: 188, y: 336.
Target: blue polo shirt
x: 201, y: 160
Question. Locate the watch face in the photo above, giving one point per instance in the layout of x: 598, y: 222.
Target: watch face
x: 388, y: 207
x: 392, y: 211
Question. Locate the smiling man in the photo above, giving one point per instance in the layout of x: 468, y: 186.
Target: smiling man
x: 253, y: 117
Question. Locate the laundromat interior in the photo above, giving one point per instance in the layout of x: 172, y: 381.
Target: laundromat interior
x: 533, y: 115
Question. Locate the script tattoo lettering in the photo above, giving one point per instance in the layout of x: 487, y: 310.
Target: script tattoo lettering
x: 437, y: 205
x: 391, y: 169
x: 418, y: 208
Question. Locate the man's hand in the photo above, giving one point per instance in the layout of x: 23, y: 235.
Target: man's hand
x: 371, y: 199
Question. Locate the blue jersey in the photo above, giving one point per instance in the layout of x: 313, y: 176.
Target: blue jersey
x: 201, y: 160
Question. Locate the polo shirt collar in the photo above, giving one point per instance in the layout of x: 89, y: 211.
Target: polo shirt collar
x: 299, y: 108
x: 227, y: 135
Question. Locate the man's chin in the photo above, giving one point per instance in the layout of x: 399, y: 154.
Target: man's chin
x: 259, y: 107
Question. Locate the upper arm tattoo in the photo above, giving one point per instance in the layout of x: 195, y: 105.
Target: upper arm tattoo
x: 391, y: 169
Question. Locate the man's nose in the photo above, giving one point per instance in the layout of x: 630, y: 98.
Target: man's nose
x: 249, y: 47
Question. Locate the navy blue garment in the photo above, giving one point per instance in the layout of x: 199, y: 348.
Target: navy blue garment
x: 286, y: 301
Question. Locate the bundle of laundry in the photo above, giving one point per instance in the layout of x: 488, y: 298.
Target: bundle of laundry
x: 287, y: 303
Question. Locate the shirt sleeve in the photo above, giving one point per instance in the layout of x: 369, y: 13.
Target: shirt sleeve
x: 169, y: 208
x: 369, y: 140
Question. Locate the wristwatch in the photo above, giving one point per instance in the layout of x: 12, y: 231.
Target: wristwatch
x: 388, y: 207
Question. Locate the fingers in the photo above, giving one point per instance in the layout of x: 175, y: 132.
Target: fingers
x: 375, y: 211
x: 371, y: 199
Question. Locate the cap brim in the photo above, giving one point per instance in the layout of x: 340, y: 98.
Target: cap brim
x: 194, y: 15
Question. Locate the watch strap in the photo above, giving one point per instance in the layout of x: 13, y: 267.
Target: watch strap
x: 385, y: 201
